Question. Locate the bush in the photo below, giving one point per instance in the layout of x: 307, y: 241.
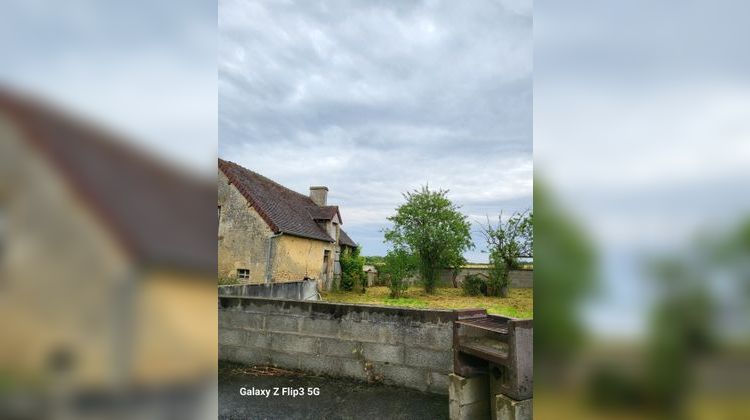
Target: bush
x: 399, y: 264
x: 474, y: 285
x: 352, y: 275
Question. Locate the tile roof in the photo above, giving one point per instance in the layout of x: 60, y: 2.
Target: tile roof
x: 160, y: 215
x: 344, y: 239
x: 283, y: 210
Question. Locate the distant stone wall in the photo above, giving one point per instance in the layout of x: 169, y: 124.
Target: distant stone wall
x: 295, y: 290
x: 522, y: 279
x: 406, y: 347
x: 519, y: 279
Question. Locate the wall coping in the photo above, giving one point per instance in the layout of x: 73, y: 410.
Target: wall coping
x: 338, y: 310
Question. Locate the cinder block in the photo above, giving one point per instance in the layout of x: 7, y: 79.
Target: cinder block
x: 231, y: 337
x: 257, y: 339
x: 506, y: 408
x: 282, y: 323
x: 251, y: 356
x: 383, y: 353
x: 245, y: 320
x: 440, y: 361
x: 438, y: 383
x: 358, y: 331
x: 284, y: 360
x: 337, y: 348
x: 227, y: 352
x: 319, y: 364
x: 352, y: 368
x: 430, y: 337
x: 404, y: 376
x: 469, y: 398
x: 293, y: 343
x: 320, y: 327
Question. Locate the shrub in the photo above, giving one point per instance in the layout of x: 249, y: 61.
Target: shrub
x: 474, y: 285
x: 351, y: 271
x: 399, y: 264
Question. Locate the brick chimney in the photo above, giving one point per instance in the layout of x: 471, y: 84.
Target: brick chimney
x: 319, y: 195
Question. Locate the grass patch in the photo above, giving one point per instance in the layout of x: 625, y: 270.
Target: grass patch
x: 228, y: 281
x: 520, y: 303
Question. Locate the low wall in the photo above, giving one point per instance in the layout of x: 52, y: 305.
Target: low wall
x: 296, y: 290
x: 519, y: 279
x: 406, y: 347
x: 522, y: 279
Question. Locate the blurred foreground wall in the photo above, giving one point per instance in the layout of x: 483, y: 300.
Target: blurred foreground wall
x: 107, y: 209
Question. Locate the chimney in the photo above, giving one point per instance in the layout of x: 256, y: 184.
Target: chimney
x: 319, y: 195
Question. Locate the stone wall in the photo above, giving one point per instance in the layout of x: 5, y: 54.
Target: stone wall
x: 519, y: 279
x: 245, y: 239
x: 295, y: 290
x: 406, y: 347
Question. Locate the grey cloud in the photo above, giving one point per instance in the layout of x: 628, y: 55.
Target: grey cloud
x: 377, y: 98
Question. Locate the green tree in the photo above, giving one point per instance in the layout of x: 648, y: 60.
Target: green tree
x: 565, y: 275
x: 430, y: 227
x: 507, y: 243
x: 352, y: 275
x: 399, y: 265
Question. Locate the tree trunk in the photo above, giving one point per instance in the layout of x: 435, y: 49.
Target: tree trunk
x: 453, y: 279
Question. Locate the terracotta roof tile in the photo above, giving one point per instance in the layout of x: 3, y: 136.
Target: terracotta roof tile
x: 283, y: 210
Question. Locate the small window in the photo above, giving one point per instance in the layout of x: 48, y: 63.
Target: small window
x: 243, y: 273
x: 218, y: 214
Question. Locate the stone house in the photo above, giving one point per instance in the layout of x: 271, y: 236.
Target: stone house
x: 269, y: 233
x: 105, y: 285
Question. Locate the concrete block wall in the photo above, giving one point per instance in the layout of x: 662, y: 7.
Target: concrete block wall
x: 406, y: 347
x: 297, y: 290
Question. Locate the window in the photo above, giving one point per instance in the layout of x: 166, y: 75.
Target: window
x: 243, y: 273
x: 218, y: 214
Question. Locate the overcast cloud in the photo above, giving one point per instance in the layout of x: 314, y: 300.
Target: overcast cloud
x: 374, y: 99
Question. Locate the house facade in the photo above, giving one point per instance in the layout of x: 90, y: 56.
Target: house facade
x: 96, y: 267
x: 269, y: 233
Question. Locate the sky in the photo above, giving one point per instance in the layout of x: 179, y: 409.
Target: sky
x: 374, y: 99
x: 145, y: 70
x: 641, y: 128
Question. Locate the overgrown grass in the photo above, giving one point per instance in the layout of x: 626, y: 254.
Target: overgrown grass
x: 520, y: 303
x: 226, y: 281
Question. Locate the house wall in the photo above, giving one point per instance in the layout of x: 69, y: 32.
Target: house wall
x: 61, y: 273
x: 406, y: 347
x: 244, y: 237
x: 295, y: 258
x: 175, y: 328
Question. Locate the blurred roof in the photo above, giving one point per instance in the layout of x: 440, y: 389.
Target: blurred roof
x: 161, y: 215
x: 283, y: 210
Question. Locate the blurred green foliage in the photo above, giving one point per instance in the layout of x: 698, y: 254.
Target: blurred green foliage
x: 564, y: 276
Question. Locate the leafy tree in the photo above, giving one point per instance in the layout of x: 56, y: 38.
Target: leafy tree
x: 507, y: 242
x: 351, y: 270
x: 430, y: 227
x: 565, y: 275
x: 399, y: 265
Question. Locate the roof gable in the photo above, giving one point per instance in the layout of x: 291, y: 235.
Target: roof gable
x: 133, y: 195
x: 282, y: 209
